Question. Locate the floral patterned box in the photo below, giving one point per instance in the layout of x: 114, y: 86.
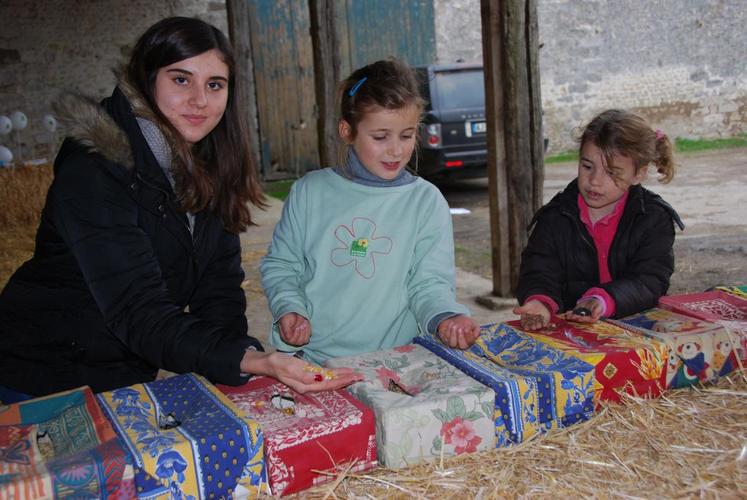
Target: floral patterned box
x: 424, y: 406
x: 307, y: 433
x: 699, y: 350
x: 623, y: 360
x: 537, y: 387
x: 726, y: 309
x: 187, y: 440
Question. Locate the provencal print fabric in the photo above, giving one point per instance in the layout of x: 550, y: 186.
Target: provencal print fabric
x: 61, y: 446
x: 699, y: 351
x: 424, y: 406
x: 623, y: 360
x: 187, y: 439
x: 307, y: 433
x: 537, y: 387
x: 725, y: 309
x: 739, y: 291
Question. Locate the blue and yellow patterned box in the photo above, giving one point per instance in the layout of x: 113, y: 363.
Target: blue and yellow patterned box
x: 537, y: 387
x: 187, y: 439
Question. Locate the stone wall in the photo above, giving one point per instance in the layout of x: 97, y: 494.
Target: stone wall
x: 682, y: 66
x: 680, y: 63
x: 55, y: 45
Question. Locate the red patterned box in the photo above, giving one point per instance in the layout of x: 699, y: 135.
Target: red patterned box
x: 623, y: 360
x: 320, y: 431
x: 728, y: 310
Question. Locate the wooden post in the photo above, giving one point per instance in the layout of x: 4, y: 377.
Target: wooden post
x: 239, y: 32
x: 492, y: 55
x: 515, y: 166
x: 535, y: 97
x: 326, y: 47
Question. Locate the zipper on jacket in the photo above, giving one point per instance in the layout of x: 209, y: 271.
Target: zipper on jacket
x: 162, y: 208
x: 580, y: 228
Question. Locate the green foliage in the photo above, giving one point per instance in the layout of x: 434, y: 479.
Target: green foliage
x: 564, y: 157
x: 279, y: 189
x: 682, y: 145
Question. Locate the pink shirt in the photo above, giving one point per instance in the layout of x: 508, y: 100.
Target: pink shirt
x: 602, y: 233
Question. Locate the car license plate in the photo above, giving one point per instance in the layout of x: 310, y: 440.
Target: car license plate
x: 475, y: 128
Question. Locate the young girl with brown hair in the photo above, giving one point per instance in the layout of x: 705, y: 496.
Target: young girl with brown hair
x: 363, y: 256
x: 602, y: 247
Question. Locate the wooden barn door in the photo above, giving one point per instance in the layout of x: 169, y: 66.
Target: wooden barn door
x: 284, y: 76
x: 284, y: 66
x: 377, y: 29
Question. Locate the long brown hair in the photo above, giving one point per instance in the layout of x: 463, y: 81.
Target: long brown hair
x: 217, y: 173
x: 628, y: 134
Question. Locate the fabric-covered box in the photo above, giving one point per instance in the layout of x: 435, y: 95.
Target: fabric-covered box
x: 739, y: 291
x: 699, y: 350
x: 307, y: 432
x: 61, y: 446
x: 623, y: 360
x: 537, y: 387
x: 725, y: 309
x: 187, y: 439
x: 422, y: 404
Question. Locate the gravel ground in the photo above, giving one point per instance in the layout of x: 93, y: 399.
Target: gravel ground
x: 709, y: 191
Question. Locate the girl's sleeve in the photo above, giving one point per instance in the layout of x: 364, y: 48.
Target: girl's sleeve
x: 541, y: 271
x: 650, y: 264
x: 431, y: 281
x: 219, y: 298
x: 98, y: 220
x: 283, y: 266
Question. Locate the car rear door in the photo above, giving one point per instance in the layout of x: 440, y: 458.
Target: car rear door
x: 459, y: 105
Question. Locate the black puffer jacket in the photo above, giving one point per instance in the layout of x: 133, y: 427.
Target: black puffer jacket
x: 117, y: 286
x: 560, y: 260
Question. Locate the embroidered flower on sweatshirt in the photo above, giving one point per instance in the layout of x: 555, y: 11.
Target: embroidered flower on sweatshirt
x: 359, y: 245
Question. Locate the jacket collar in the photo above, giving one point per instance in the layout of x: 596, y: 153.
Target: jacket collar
x: 638, y: 196
x: 110, y: 129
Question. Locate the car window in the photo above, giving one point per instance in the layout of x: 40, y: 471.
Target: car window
x: 459, y: 89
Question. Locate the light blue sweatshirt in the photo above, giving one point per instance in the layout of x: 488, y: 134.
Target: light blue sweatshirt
x: 369, y: 267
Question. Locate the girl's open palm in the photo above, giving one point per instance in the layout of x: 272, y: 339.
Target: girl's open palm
x: 534, y: 315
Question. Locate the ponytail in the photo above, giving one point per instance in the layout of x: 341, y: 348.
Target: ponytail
x: 664, y: 160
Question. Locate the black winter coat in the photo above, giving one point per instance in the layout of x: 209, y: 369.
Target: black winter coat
x: 117, y: 286
x: 560, y: 260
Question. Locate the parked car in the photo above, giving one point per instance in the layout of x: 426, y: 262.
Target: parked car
x: 453, y: 141
x: 452, y: 137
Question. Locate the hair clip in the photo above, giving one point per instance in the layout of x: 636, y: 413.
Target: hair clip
x: 357, y: 85
x: 659, y: 134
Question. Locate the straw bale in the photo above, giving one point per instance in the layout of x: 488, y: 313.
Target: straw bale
x: 22, y: 194
x: 688, y: 443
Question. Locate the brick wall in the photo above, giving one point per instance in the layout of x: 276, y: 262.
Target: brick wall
x: 680, y: 63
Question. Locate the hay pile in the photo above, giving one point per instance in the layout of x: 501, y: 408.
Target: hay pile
x: 22, y: 194
x: 688, y: 443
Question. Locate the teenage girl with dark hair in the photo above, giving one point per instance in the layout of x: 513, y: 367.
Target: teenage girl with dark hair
x: 602, y: 247
x: 137, y: 263
x: 363, y: 256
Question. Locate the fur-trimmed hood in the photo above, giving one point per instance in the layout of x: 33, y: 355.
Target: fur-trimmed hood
x: 88, y: 122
